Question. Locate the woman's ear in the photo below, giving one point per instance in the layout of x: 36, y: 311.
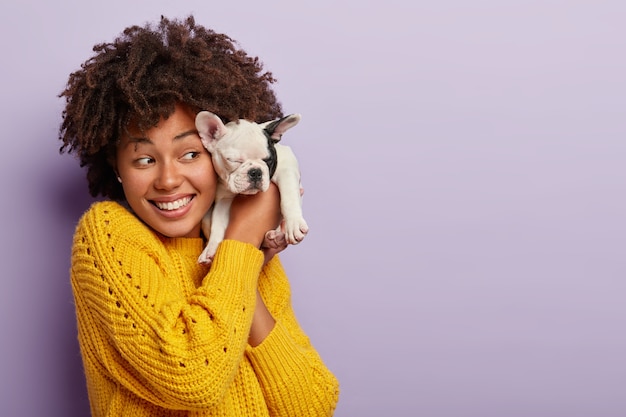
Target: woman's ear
x: 117, y: 174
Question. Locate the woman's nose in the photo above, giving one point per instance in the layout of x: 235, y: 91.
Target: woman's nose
x: 168, y: 177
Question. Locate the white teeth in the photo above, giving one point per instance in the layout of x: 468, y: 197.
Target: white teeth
x: 173, y: 205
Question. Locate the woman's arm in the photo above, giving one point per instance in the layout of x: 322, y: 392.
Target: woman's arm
x: 174, y: 346
x: 294, y: 379
x: 250, y: 219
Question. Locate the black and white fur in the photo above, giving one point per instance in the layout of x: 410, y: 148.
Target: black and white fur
x: 246, y: 157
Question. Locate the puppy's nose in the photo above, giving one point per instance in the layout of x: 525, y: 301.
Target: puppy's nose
x: 255, y: 174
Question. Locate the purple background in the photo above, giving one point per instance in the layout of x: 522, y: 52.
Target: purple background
x: 464, y: 166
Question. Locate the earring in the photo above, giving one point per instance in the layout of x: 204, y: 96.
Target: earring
x: 119, y: 179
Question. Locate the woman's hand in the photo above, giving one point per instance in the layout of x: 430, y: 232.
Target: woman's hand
x: 252, y: 216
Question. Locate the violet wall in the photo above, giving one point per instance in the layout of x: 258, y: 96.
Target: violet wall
x: 465, y: 176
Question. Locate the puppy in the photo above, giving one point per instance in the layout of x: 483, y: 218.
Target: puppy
x: 246, y: 157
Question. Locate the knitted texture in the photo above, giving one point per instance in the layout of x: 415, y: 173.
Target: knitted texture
x: 161, y: 335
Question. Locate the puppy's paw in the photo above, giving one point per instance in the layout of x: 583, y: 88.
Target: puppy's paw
x: 206, y: 257
x: 274, y: 239
x: 295, y: 230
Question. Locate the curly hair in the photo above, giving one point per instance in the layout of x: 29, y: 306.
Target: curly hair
x: 139, y: 78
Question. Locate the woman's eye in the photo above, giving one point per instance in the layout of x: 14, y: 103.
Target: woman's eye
x: 191, y: 155
x: 144, y: 161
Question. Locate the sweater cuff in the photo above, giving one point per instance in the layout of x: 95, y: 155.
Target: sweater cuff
x: 233, y: 255
x: 278, y: 358
x: 235, y: 270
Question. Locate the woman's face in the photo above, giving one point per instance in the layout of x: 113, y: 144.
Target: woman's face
x: 167, y: 175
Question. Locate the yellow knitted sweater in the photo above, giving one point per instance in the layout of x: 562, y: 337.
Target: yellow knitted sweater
x: 161, y: 335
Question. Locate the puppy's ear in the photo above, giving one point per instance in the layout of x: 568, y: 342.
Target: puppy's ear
x: 276, y: 128
x: 210, y: 128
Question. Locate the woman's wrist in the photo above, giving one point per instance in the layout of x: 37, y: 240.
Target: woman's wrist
x: 262, y: 323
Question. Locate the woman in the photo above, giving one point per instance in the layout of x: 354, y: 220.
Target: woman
x: 160, y: 334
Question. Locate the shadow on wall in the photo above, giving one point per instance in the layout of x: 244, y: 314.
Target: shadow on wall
x: 67, y: 198
x: 70, y: 193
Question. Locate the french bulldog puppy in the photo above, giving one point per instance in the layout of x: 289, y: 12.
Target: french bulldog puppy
x: 246, y: 157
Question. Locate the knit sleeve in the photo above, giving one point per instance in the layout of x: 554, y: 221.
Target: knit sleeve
x: 176, y: 350
x: 294, y: 379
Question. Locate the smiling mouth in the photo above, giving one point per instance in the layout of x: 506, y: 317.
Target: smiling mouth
x: 172, y: 205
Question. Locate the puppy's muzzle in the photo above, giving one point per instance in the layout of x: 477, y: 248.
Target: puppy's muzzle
x: 255, y: 175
